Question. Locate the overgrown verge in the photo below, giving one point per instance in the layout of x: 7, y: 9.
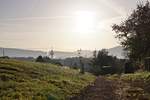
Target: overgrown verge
x: 133, y: 86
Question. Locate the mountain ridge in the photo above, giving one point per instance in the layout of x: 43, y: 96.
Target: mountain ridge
x: 17, y: 52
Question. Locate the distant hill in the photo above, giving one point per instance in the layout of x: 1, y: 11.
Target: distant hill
x: 117, y: 51
x: 15, y: 52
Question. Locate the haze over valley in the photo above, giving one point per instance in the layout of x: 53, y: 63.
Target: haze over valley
x: 16, y: 52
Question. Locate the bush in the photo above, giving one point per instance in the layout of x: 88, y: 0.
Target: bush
x: 48, y: 60
x: 4, y: 57
x: 39, y: 59
x: 129, y: 67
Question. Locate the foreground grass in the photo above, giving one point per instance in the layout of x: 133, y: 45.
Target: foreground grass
x: 133, y: 86
x: 29, y: 80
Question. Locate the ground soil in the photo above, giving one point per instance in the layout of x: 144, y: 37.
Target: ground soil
x: 105, y: 89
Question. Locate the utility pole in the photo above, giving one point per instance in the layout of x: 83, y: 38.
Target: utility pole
x: 51, y: 53
x: 95, y: 53
x: 81, y: 61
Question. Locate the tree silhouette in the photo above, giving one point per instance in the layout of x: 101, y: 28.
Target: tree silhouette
x: 134, y: 33
x: 39, y: 59
x: 103, y: 63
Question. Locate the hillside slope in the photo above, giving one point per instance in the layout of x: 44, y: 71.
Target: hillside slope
x: 29, y: 80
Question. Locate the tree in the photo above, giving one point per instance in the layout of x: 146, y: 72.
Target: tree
x: 128, y: 68
x: 39, y: 59
x: 101, y: 58
x: 134, y: 33
x: 103, y: 63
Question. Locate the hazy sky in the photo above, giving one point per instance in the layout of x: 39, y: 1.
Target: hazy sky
x: 64, y: 24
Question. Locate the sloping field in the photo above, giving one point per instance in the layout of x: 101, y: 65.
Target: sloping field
x: 23, y: 80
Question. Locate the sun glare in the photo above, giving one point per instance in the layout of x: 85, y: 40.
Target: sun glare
x: 85, y: 22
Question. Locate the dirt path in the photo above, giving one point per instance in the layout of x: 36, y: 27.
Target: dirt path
x: 106, y: 89
x: 102, y: 89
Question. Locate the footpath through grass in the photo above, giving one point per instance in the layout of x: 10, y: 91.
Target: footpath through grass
x: 118, y: 87
x: 24, y: 80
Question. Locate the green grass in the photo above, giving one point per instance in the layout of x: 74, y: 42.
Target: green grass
x: 24, y: 80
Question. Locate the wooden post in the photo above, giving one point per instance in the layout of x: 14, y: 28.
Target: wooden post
x: 81, y: 62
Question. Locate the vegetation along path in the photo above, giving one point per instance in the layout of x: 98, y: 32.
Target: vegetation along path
x: 124, y: 87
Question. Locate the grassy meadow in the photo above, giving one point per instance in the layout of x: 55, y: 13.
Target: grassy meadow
x: 22, y: 80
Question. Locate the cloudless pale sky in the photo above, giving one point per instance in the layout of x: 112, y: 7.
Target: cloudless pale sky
x: 65, y: 25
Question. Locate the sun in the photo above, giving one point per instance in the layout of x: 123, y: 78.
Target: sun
x: 85, y: 22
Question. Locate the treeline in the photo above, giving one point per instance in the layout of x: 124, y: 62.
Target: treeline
x: 102, y: 63
x: 134, y: 36
x: 48, y: 60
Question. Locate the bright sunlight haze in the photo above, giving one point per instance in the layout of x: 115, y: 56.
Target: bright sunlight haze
x: 66, y: 25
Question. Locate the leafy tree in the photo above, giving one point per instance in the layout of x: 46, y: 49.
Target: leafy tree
x: 39, y: 59
x: 102, y: 58
x: 134, y: 33
x: 103, y: 63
